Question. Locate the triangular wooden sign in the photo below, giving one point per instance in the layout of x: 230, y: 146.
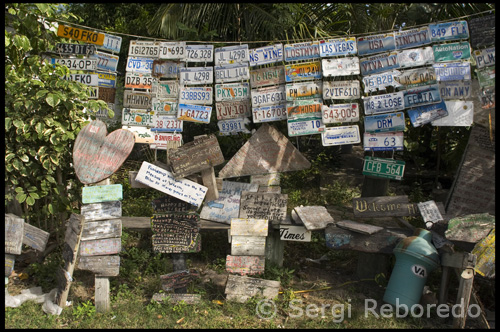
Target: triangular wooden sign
x: 267, y: 151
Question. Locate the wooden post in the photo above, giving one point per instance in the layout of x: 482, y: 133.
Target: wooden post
x: 274, y: 248
x: 102, y: 302
x: 463, y: 297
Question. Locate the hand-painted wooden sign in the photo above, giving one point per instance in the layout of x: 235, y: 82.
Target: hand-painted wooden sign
x: 102, y: 229
x: 195, y: 156
x: 171, y: 204
x: 176, y: 233
x: 269, y: 206
x: 35, y: 237
x: 102, y: 211
x: 96, y: 155
x: 482, y: 31
x: 178, y: 279
x: 101, y: 247
x: 430, y: 213
x: 106, y: 193
x: 242, y: 245
x: 313, y: 217
x: 241, y: 288
x: 271, y: 179
x: 164, y: 181
x: 267, y: 151
x: 14, y: 232
x: 245, y: 265
x: 358, y: 227
x: 294, y: 233
x: 384, y: 206
x: 103, y: 266
x: 249, y: 227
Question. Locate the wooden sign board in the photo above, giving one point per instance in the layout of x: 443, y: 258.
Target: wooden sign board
x: 270, y: 206
x: 171, y: 204
x: 245, y: 265
x: 103, y: 229
x: 271, y: 179
x: 178, y: 279
x: 241, y: 288
x: 176, y: 232
x: 470, y: 228
x: 227, y: 206
x: 248, y: 245
x: 210, y: 181
x: 313, y: 217
x: 98, y: 194
x: 9, y: 264
x: 358, y: 227
x: 270, y: 189
x: 164, y: 181
x: 100, y: 247
x: 103, y: 266
x: 249, y: 227
x: 482, y: 31
x: 195, y: 156
x: 102, y: 211
x: 176, y: 298
x: 14, y: 232
x: 267, y: 151
x: 485, y: 252
x: 35, y: 238
x: 97, y: 155
x: 384, y: 206
x: 294, y: 233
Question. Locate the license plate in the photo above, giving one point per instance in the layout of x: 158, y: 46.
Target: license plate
x: 385, y: 123
x: 426, y: 114
x: 106, y: 80
x: 105, y: 61
x: 136, y: 99
x: 111, y: 43
x: 233, y: 126
x: 338, y: 46
x: 232, y: 73
x: 412, y: 38
x: 196, y: 95
x: 265, y: 55
x: 485, y: 57
x: 194, y: 113
x: 378, y: 63
x: 164, y: 106
x: 449, y: 31
x: 416, y: 57
x: 199, y: 53
x: 232, y: 91
x: 383, y: 141
x: 384, y: 168
x: 455, y: 89
x: 338, y: 113
x: 87, y: 79
x: 486, y: 77
x: 268, y: 96
x: 86, y: 36
x: 164, y: 141
x: 388, y: 102
x: 312, y: 125
x: 304, y: 109
x: 142, y: 134
x: 341, y: 135
x: 269, y: 113
x: 267, y: 76
x: 75, y: 49
x: 231, y: 54
x: 487, y: 98
x: 301, y: 51
x: 340, y: 66
x: 165, y: 89
x: 166, y: 69
x: 140, y: 48
x: 460, y: 114
x: 452, y: 71
x: 451, y: 52
x: 139, y: 65
x: 341, y: 89
x: 76, y: 63
x: 303, y: 71
x: 376, y: 44
x: 304, y: 90
x: 107, y: 94
x: 233, y: 109
x: 381, y: 81
x: 138, y: 80
x: 166, y: 123
x: 137, y: 117
x: 416, y: 77
x: 172, y: 50
x: 424, y: 95
x: 196, y: 75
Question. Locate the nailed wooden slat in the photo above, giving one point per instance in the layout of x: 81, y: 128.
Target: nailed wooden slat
x: 102, y: 300
x: 248, y: 245
x: 245, y: 265
x: 176, y: 298
x: 102, y: 229
x: 98, y: 194
x: 14, y: 233
x: 270, y: 206
x: 241, y: 288
x: 384, y: 206
x: 104, y: 266
x: 100, y: 247
x: 249, y: 227
x: 358, y: 227
x: 35, y: 237
x: 313, y: 217
x: 208, y: 178
x: 102, y: 211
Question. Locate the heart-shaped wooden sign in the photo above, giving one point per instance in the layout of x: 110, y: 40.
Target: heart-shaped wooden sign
x: 96, y: 155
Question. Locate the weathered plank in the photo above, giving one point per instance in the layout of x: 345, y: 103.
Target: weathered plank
x: 358, y: 227
x: 245, y: 265
x: 14, y: 233
x: 294, y: 233
x: 208, y: 178
x: 313, y: 217
x: 176, y: 232
x: 485, y: 252
x: 248, y: 245
x: 176, y: 298
x: 35, y: 237
x: 9, y: 264
x: 103, y: 266
x: 270, y: 206
x: 384, y: 206
x: 470, y: 228
x: 271, y: 179
x: 100, y: 247
x: 102, y: 300
x: 96, y: 155
x: 249, y: 227
x: 102, y: 211
x: 167, y: 204
x: 270, y: 189
x: 102, y: 229
x: 178, y: 279
x: 241, y: 288
x: 98, y: 194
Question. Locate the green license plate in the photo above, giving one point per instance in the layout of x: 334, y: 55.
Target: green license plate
x: 384, y: 168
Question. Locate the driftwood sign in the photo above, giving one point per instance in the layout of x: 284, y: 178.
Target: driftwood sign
x: 249, y: 227
x: 102, y: 211
x: 176, y: 298
x: 313, y: 217
x: 102, y: 229
x: 14, y: 232
x: 245, y: 265
x: 384, y: 206
x: 100, y: 247
x: 241, y: 288
x: 35, y: 238
x: 260, y: 205
x: 103, y: 266
x: 248, y: 245
x: 96, y: 155
x: 176, y: 233
x: 178, y: 279
x: 98, y: 194
x: 171, y: 204
x: 358, y: 227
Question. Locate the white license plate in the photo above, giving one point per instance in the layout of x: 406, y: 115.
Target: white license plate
x: 301, y: 51
x: 166, y: 123
x: 310, y: 126
x: 378, y: 63
x: 452, y: 71
x: 105, y: 61
x: 88, y: 79
x: 455, y: 89
x: 232, y: 73
x: 138, y: 80
x: 415, y: 57
x: 304, y: 90
x: 164, y: 106
x: 389, y: 122
x: 449, y: 31
x: 304, y: 109
x: 139, y: 65
x: 232, y: 91
x: 339, y: 113
x: 341, y: 89
x: 268, y: 96
x: 149, y: 49
x: 165, y: 89
x: 269, y: 113
x: 233, y: 109
x: 231, y: 54
x: 172, y: 50
x: 303, y: 71
x: 265, y: 55
x: 166, y: 69
x: 267, y: 76
x: 111, y: 43
x: 383, y: 141
x: 233, y: 126
x: 196, y: 75
x: 388, y: 102
x: 376, y: 43
x: 199, y: 53
x: 76, y: 63
x: 196, y: 95
x: 340, y: 66
x: 485, y: 57
x: 136, y: 99
x: 194, y: 113
x: 381, y: 81
x: 163, y: 141
x: 340, y: 135
x: 416, y: 77
x: 338, y: 46
x: 75, y: 49
x: 137, y: 117
x: 412, y: 38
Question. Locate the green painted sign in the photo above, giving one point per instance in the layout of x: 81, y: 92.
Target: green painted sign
x: 451, y: 52
x: 384, y: 168
x: 97, y: 194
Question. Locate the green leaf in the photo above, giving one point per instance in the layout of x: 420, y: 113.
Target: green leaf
x: 9, y: 156
x: 8, y: 123
x: 42, y: 93
x: 25, y: 158
x: 19, y: 190
x: 35, y: 195
x: 52, y: 99
x: 30, y: 200
x: 22, y: 42
x: 18, y: 123
x: 51, y: 208
x: 21, y: 197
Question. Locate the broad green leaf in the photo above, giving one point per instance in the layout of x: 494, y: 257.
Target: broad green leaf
x: 17, y: 164
x: 41, y: 93
x: 7, y: 40
x: 25, y: 158
x: 39, y: 127
x: 50, y: 208
x: 19, y: 190
x: 34, y: 195
x: 21, y: 197
x: 9, y: 156
x: 8, y: 124
x: 22, y: 42
x: 18, y: 123
x: 30, y: 200
x: 46, y: 164
x: 52, y: 99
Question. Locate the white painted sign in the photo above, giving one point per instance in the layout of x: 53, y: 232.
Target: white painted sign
x: 294, y: 233
x: 249, y: 227
x: 430, y: 213
x: 460, y: 113
x: 340, y: 135
x: 340, y: 66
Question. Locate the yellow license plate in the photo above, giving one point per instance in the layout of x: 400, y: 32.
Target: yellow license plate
x: 80, y: 34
